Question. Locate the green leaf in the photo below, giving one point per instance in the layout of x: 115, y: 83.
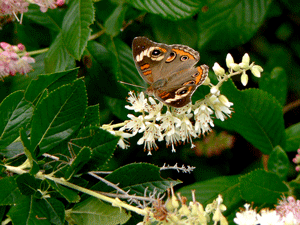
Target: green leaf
x: 94, y: 211
x: 67, y: 193
x: 101, y: 142
x: 238, y: 20
x: 10, y: 192
x: 75, y: 27
x: 275, y: 83
x: 114, y: 23
x: 38, y: 212
x: 260, y: 186
x: 58, y: 116
x: 293, y: 138
x: 126, y: 70
x: 58, y: 58
x: 49, y: 81
x: 172, y: 9
x: 80, y: 160
x: 208, y: 190
x: 92, y: 116
x: 186, y: 33
x: 51, y: 19
x: 15, y: 113
x: 279, y: 162
x: 27, y: 184
x: 102, y: 73
x: 135, y: 177
x: 257, y: 117
x: 29, y: 152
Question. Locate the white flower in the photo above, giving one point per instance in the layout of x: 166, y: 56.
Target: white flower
x: 219, y: 71
x: 169, y: 122
x: 122, y: 143
x: 229, y: 60
x: 186, y: 129
x: 256, y: 70
x: 172, y: 139
x: 185, y: 109
x: 151, y: 133
x: 136, y: 124
x: 244, y: 78
x: 203, y: 120
x: 245, y: 64
x: 138, y: 104
x: 225, y: 101
x: 153, y: 109
x: 267, y: 217
x: 247, y: 217
x: 215, y: 90
x: 221, y: 110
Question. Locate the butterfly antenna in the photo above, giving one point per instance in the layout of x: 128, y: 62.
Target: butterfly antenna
x: 122, y: 82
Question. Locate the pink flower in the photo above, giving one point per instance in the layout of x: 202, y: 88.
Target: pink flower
x: 11, y: 63
x: 288, y: 206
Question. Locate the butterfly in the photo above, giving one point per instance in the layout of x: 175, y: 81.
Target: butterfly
x: 169, y: 70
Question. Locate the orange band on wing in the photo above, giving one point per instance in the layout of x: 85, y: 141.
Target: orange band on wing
x: 198, y: 78
x: 162, y: 49
x: 147, y: 72
x: 163, y: 95
x: 145, y: 66
x: 181, y: 52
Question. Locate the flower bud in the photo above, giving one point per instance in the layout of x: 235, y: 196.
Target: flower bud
x: 224, y: 101
x: 246, y: 59
x: 206, y: 81
x: 229, y: 60
x: 215, y: 90
x: 244, y: 79
x: 219, y: 71
x: 256, y: 70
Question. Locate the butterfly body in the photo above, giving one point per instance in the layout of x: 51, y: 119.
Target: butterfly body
x: 169, y: 70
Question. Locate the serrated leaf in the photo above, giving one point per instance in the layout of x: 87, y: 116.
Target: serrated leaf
x: 94, y: 211
x: 80, y: 160
x: 135, y: 177
x: 292, y: 138
x: 279, y: 162
x: 49, y: 81
x: 10, y: 192
x: 58, y: 116
x: 275, y: 83
x: 172, y: 9
x: 208, y: 190
x: 15, y: 113
x: 237, y: 19
x: 114, y: 22
x: 58, y: 58
x: 101, y: 142
x: 67, y: 193
x: 38, y: 212
x: 261, y: 186
x: 92, y: 116
x: 27, y: 184
x: 257, y: 117
x: 75, y: 27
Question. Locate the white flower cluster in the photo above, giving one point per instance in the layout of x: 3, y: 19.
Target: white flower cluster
x: 265, y: 217
x: 176, y: 125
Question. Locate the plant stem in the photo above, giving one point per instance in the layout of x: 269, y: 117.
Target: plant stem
x: 114, y: 201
